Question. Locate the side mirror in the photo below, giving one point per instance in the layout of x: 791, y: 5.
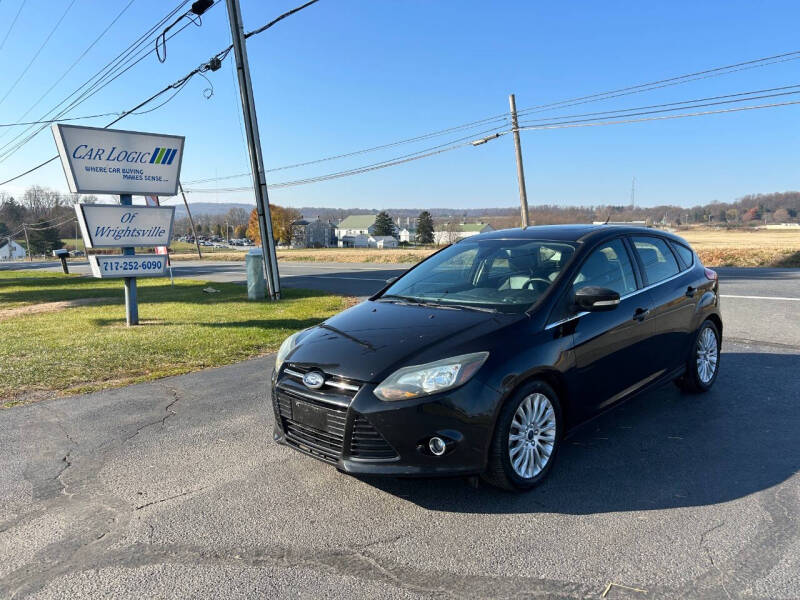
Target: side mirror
x: 596, y: 299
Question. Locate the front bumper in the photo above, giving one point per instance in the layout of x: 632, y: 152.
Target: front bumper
x: 361, y: 434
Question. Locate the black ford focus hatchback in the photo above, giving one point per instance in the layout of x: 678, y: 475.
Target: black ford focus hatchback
x: 479, y: 359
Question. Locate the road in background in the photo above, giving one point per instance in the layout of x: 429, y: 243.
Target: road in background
x: 758, y: 304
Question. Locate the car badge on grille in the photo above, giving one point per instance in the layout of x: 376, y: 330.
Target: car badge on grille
x: 313, y: 380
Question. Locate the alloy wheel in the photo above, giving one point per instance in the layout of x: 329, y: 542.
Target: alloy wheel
x: 707, y: 355
x: 532, y: 435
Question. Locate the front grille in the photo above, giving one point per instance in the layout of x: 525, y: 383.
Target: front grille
x: 324, y: 443
x: 327, y: 441
x: 367, y: 442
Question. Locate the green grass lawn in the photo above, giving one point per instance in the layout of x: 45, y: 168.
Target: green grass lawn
x: 183, y: 329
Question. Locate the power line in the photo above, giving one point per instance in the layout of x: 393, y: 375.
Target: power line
x: 694, y: 104
x: 177, y: 85
x: 278, y: 19
x: 661, y: 83
x: 47, y: 122
x: 72, y: 66
x: 96, y: 82
x: 403, y: 160
x: 36, y: 54
x: 13, y: 22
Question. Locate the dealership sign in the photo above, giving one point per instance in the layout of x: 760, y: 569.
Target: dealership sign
x: 114, y: 225
x: 120, y: 265
x: 112, y: 161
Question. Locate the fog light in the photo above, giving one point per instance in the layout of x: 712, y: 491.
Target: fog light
x: 437, y: 446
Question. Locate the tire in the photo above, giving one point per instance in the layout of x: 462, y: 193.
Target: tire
x: 545, y: 433
x: 698, y: 379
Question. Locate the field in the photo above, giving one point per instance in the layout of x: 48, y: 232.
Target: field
x: 745, y: 248
x: 717, y: 248
x: 183, y: 329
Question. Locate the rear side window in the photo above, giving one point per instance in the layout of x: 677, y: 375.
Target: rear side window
x: 608, y: 266
x: 687, y: 256
x: 658, y: 261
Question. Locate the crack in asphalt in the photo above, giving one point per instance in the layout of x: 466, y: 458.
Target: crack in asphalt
x: 711, y: 556
x: 182, y: 494
x: 168, y: 409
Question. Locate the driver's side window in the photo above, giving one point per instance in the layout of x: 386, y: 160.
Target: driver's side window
x: 608, y: 266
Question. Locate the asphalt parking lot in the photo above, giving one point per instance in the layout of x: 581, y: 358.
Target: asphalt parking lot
x: 175, y: 489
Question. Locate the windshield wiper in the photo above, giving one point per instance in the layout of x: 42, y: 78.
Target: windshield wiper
x: 469, y: 307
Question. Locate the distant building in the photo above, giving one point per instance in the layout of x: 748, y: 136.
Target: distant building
x: 450, y: 233
x: 10, y: 249
x: 781, y: 226
x: 382, y: 241
x: 408, y: 234
x: 355, y: 225
x: 354, y: 241
x: 313, y: 234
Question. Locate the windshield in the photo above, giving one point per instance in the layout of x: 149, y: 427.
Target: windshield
x: 503, y: 275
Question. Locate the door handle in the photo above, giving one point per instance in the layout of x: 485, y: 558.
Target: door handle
x: 640, y: 314
x: 691, y: 291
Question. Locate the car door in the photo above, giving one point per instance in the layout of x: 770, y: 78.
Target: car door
x: 673, y: 296
x: 612, y: 349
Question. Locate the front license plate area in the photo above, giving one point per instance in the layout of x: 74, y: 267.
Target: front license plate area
x: 307, y: 414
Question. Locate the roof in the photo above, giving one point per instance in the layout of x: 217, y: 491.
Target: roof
x: 357, y: 222
x: 572, y: 233
x: 471, y: 226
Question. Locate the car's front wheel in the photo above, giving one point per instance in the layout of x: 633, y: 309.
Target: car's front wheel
x: 703, y: 364
x: 526, y: 438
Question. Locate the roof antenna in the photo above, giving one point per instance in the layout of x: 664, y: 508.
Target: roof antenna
x: 608, y: 218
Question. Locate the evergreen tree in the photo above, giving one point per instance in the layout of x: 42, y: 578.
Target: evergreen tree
x: 425, y: 228
x: 44, y: 239
x: 384, y: 224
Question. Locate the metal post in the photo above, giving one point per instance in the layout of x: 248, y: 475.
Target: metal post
x: 27, y: 243
x: 131, y: 304
x: 523, y: 194
x: 191, y: 221
x: 254, y: 147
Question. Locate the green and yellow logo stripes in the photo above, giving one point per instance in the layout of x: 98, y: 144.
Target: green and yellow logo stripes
x: 163, y: 156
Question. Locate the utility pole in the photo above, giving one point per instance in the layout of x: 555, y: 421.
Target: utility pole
x: 27, y: 243
x: 633, y: 193
x: 254, y: 147
x: 191, y: 221
x: 523, y: 194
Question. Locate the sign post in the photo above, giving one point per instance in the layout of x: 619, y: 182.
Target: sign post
x: 108, y: 161
x: 131, y: 303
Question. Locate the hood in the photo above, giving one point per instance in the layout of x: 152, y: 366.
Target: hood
x: 373, y: 339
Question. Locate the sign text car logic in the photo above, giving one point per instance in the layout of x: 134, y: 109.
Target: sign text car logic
x: 111, y: 161
x: 114, y: 225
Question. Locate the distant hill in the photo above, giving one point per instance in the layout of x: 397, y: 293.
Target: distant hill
x: 209, y: 208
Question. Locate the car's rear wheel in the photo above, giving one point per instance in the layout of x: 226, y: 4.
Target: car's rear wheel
x: 526, y: 438
x: 703, y: 364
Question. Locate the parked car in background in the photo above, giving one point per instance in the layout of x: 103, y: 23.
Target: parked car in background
x: 478, y: 360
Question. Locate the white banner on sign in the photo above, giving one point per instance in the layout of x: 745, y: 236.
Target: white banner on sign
x: 112, y: 161
x: 120, y: 265
x: 118, y: 226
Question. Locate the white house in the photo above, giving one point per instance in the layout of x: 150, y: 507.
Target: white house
x: 354, y: 241
x: 407, y: 234
x: 12, y: 250
x: 382, y: 241
x: 355, y: 225
x: 451, y: 233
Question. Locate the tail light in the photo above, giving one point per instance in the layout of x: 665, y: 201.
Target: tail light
x: 712, y: 275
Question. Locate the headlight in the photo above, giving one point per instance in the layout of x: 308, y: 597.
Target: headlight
x: 287, y: 346
x: 422, y: 380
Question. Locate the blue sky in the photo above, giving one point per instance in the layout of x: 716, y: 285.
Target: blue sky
x: 348, y: 74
